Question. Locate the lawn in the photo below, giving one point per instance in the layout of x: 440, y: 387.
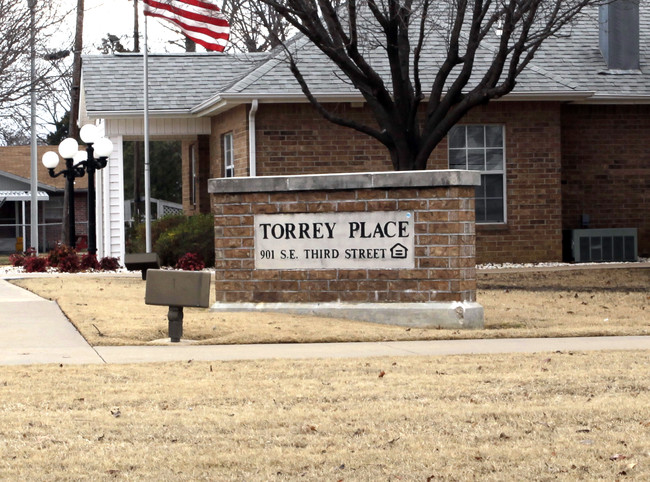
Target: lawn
x: 547, y: 416
x: 544, y: 416
x: 110, y: 310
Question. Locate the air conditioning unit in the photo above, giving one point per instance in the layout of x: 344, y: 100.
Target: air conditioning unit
x: 601, y: 245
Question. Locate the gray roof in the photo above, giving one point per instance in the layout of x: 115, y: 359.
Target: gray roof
x: 273, y: 76
x: 13, y: 182
x: 577, y: 59
x: 571, y: 65
x: 177, y: 82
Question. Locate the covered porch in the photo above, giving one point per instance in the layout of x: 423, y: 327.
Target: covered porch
x: 15, y: 220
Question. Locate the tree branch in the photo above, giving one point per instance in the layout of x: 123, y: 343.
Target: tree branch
x: 380, y: 136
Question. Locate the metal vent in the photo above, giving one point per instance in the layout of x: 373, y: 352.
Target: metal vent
x: 619, y: 34
x: 603, y: 245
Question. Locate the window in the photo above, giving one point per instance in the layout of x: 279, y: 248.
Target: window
x: 481, y: 148
x: 228, y: 156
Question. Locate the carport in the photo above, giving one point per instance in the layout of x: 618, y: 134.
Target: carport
x: 13, y: 220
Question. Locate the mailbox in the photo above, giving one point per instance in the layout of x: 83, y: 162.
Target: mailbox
x: 177, y: 289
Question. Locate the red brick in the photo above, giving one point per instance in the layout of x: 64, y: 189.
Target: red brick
x: 439, y: 245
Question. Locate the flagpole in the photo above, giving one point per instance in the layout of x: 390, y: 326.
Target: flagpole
x: 33, y: 145
x: 147, y: 180
x: 212, y: 32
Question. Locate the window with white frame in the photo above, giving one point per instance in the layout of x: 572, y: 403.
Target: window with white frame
x: 228, y: 156
x: 482, y: 148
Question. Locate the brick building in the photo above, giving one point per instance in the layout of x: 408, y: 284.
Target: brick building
x: 566, y: 150
x: 15, y: 198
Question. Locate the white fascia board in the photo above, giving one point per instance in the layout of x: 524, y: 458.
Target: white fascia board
x: 226, y: 102
x: 41, y: 185
x: 214, y: 105
x: 222, y: 103
x: 546, y: 96
x: 124, y: 114
x: 616, y: 99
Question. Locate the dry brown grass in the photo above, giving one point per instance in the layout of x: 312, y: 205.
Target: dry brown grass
x: 566, y: 416
x: 111, y: 311
x: 577, y: 302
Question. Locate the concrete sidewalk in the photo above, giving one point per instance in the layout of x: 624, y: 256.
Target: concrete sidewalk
x: 35, y: 331
x: 143, y: 354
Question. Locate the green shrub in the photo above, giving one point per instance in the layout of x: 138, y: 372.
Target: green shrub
x: 136, y: 235
x: 195, y: 234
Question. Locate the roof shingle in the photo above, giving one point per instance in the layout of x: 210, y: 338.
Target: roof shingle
x: 571, y: 63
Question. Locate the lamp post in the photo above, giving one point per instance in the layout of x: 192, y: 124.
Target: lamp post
x: 68, y: 148
x: 77, y: 163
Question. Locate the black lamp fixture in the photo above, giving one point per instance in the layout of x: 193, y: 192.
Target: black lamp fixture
x: 77, y: 164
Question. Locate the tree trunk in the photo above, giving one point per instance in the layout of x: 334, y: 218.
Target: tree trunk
x: 73, y: 128
x: 405, y: 142
x: 403, y: 157
x: 136, y: 27
x: 76, y: 72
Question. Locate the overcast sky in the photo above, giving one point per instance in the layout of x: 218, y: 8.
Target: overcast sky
x: 116, y: 17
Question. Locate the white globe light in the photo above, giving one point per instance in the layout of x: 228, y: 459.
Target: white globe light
x: 68, y: 148
x: 89, y: 133
x: 103, y: 147
x: 50, y: 159
x: 79, y: 156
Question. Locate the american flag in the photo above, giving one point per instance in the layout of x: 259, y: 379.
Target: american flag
x: 201, y: 21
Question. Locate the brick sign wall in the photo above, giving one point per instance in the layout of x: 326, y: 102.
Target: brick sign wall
x: 346, y: 238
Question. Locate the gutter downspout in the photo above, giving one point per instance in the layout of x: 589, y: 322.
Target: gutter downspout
x: 252, y: 148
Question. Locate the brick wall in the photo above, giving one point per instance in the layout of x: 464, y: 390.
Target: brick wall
x: 293, y: 139
x: 53, y: 230
x: 201, y: 201
x: 235, y: 121
x: 17, y: 160
x: 606, y: 168
x: 444, y: 248
x: 533, y: 232
x: 186, y: 177
x: 81, y: 212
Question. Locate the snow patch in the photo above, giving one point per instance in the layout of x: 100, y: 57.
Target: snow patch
x: 489, y: 266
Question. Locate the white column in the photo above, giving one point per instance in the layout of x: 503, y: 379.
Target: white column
x: 112, y: 203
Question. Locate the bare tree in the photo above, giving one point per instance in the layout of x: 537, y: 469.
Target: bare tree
x: 15, y: 71
x: 75, y: 92
x: 379, y: 47
x: 255, y: 25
